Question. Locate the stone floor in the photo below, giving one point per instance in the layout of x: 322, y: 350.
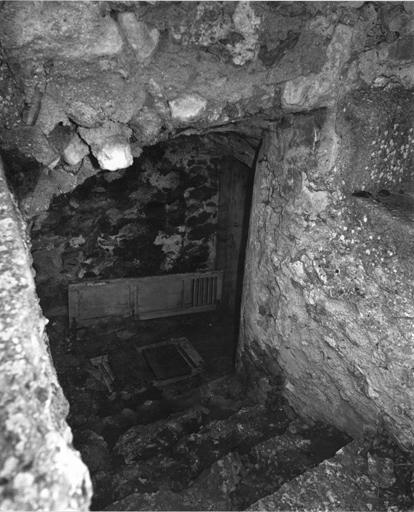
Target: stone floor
x: 200, y: 444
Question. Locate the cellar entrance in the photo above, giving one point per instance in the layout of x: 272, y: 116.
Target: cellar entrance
x: 140, y: 274
x: 165, y: 237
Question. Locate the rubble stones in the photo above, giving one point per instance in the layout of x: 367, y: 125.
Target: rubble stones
x: 75, y: 151
x: 143, y: 441
x: 214, y: 487
x: 143, y: 40
x: 113, y: 154
x: 66, y: 31
x: 94, y: 451
x: 247, y: 24
x: 160, y: 500
x: 188, y: 107
x: 110, y: 145
x: 100, y: 63
x: 381, y: 470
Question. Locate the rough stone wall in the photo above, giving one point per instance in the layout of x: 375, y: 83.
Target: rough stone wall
x: 39, y: 469
x: 82, y: 82
x: 105, y: 79
x: 158, y: 216
x: 328, y: 305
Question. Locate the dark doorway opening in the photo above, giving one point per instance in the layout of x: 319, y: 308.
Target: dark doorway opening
x: 183, y: 207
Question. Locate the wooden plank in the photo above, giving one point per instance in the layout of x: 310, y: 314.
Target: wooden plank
x: 146, y: 297
x: 189, y: 353
x: 232, y: 229
x: 160, y: 295
x: 175, y: 312
x: 73, y: 303
x: 112, y: 299
x: 188, y: 293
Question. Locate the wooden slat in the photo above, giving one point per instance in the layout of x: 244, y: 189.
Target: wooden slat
x: 113, y: 300
x: 73, y: 303
x: 160, y: 295
x: 176, y: 312
x: 146, y: 297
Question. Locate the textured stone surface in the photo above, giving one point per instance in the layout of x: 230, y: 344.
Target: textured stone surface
x: 235, y: 58
x: 213, y: 64
x: 113, y: 154
x: 329, y: 279
x: 160, y: 500
x: 215, y: 485
x: 79, y: 29
x: 94, y: 451
x: 378, y: 139
x: 328, y: 290
x: 143, y: 40
x: 110, y: 145
x: 212, y: 491
x: 339, y: 483
x: 39, y: 469
x: 314, y: 90
x: 187, y: 108
x: 75, y: 151
x: 141, y: 442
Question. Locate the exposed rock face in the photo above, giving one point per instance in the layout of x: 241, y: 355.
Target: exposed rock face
x: 328, y: 293
x: 39, y: 469
x: 346, y: 486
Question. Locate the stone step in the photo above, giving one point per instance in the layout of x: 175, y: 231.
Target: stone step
x: 235, y: 479
x: 350, y: 480
x: 240, y: 432
x: 244, y: 463
x: 212, y: 491
x: 277, y: 460
x: 355, y: 478
x: 142, y: 442
x: 165, y: 454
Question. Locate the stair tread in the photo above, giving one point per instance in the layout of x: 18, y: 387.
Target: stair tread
x: 338, y: 483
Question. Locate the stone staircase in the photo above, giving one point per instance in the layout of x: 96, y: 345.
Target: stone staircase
x: 220, y: 452
x: 200, y: 444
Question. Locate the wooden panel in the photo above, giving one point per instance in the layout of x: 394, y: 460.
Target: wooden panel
x: 175, y: 312
x: 232, y: 230
x: 178, y: 294
x: 101, y: 301
x: 145, y: 297
x: 160, y: 294
x: 93, y: 300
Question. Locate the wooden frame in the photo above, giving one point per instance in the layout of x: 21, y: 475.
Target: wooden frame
x: 185, y: 350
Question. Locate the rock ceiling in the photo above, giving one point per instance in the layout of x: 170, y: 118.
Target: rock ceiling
x: 108, y: 78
